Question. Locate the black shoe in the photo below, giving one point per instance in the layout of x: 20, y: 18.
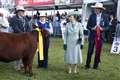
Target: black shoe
x: 45, y: 66
x: 95, y: 67
x: 40, y: 66
x: 87, y: 67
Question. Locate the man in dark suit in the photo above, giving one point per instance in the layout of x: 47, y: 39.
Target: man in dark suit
x: 96, y: 25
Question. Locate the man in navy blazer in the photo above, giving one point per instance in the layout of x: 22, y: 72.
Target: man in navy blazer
x: 96, y: 19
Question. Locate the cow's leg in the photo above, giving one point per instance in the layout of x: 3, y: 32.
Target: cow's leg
x: 30, y: 65
x: 30, y: 69
x: 25, y: 65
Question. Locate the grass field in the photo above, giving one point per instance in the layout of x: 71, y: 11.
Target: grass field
x: 109, y: 68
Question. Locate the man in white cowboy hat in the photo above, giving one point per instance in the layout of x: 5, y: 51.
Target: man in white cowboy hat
x: 19, y: 23
x: 97, y: 24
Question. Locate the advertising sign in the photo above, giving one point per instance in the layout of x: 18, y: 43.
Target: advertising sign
x: 34, y: 2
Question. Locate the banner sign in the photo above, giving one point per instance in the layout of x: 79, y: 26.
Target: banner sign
x: 67, y: 2
x: 34, y: 2
x: 47, y: 2
x: 93, y: 1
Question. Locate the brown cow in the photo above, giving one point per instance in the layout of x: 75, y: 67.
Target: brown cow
x: 15, y: 46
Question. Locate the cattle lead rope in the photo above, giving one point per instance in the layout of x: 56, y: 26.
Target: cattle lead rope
x: 40, y: 44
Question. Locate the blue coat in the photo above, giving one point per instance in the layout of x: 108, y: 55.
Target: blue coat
x: 43, y: 26
x: 20, y: 25
x: 104, y: 23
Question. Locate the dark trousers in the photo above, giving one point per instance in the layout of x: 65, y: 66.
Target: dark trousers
x: 90, y: 52
x: 44, y: 63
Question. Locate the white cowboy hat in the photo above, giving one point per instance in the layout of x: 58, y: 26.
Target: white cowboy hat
x: 20, y: 8
x: 98, y: 5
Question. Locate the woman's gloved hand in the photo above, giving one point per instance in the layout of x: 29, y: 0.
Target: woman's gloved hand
x: 79, y: 41
x: 64, y: 46
x: 81, y: 46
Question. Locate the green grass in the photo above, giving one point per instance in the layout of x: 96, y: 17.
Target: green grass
x: 109, y: 68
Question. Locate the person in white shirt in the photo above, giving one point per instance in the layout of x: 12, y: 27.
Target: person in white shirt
x: 4, y: 24
x: 63, y: 26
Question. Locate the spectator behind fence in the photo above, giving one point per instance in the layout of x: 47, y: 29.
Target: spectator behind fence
x: 4, y: 24
x: 112, y: 27
x: 63, y: 25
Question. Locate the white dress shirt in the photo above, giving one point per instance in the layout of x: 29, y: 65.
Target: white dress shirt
x: 98, y: 18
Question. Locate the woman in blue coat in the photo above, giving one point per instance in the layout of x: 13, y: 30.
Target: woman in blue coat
x: 73, y: 43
